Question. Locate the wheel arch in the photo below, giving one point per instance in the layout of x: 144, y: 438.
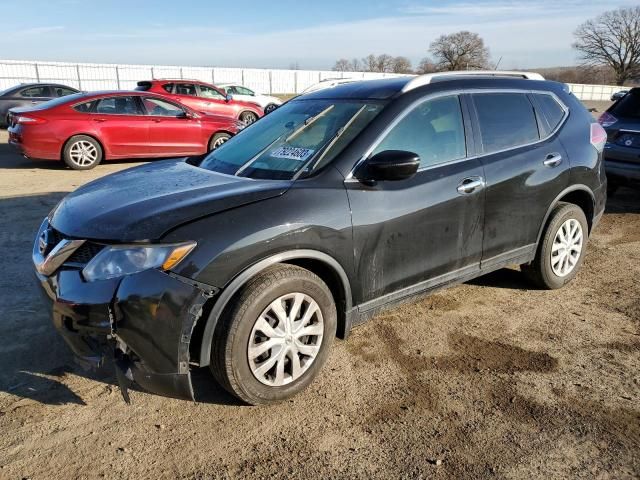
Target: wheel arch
x: 91, y: 135
x: 320, y: 263
x: 580, y: 195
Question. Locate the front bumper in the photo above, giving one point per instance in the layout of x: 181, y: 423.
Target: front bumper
x: 145, y: 321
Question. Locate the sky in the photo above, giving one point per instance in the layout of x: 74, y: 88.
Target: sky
x: 282, y: 33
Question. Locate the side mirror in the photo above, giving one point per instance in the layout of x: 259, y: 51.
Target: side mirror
x: 228, y: 98
x: 187, y: 115
x: 391, y: 165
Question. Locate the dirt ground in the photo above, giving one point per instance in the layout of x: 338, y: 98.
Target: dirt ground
x: 490, y: 379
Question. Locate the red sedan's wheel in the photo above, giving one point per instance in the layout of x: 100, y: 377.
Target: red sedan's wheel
x: 82, y: 153
x: 248, y: 117
x: 217, y: 140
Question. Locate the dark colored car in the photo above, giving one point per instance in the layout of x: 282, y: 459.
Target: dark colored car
x: 204, y: 97
x: 622, y: 150
x: 85, y: 129
x: 30, y: 94
x: 338, y: 204
x: 618, y: 95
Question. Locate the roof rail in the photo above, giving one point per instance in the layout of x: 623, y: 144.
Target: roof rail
x: 422, y: 80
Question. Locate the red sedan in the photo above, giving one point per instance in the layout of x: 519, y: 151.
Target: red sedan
x: 84, y: 129
x: 204, y: 97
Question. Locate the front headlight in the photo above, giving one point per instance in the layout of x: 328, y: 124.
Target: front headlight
x: 120, y: 260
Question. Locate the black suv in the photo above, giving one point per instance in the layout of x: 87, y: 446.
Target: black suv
x: 342, y: 202
x: 622, y: 150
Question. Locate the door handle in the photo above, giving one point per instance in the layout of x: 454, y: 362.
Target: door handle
x: 156, y: 120
x: 553, y: 160
x: 470, y: 185
x: 99, y: 120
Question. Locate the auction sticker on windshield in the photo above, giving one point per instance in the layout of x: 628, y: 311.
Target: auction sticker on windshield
x: 292, y: 153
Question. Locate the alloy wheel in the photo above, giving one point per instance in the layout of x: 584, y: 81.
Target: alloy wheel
x: 83, y: 153
x: 248, y: 118
x: 285, y: 339
x: 567, y: 247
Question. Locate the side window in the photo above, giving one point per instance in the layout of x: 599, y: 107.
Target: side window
x: 506, y: 120
x: 185, y: 89
x: 86, y: 107
x: 63, y: 92
x: 434, y: 130
x: 33, y: 92
x: 167, y: 87
x: 161, y: 108
x: 244, y: 91
x: 118, y: 106
x: 553, y: 112
x: 208, y: 92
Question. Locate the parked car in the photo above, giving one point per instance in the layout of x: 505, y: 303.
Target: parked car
x: 240, y: 92
x: 30, y: 94
x: 204, y: 97
x: 622, y: 150
x: 85, y: 129
x: 618, y: 95
x: 335, y: 206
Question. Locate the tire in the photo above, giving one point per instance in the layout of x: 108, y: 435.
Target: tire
x: 239, y: 328
x: 270, y: 108
x: 217, y: 140
x: 248, y: 117
x: 551, y: 273
x: 82, y: 153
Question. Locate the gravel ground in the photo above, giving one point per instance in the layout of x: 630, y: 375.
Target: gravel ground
x: 490, y: 379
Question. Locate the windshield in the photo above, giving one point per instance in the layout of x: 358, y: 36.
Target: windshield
x: 298, y: 138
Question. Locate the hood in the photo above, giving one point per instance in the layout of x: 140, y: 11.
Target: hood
x: 145, y: 202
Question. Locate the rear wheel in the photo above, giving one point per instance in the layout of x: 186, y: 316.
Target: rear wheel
x: 248, y: 117
x: 276, y: 336
x: 562, y: 248
x: 270, y: 108
x: 217, y: 140
x: 82, y: 153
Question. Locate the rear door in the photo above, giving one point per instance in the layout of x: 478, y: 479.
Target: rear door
x: 427, y: 228
x: 122, y: 126
x: 526, y: 168
x: 171, y: 132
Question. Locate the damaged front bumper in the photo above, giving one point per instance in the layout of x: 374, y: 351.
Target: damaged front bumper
x: 145, y: 321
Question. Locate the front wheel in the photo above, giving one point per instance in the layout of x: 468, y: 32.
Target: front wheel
x: 248, y: 117
x: 82, y: 153
x: 270, y: 108
x: 562, y: 248
x: 276, y: 336
x: 217, y: 140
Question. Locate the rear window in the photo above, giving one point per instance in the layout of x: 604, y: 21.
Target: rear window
x: 507, y: 120
x: 85, y: 107
x: 118, y: 106
x: 35, y: 92
x: 628, y: 106
x: 551, y: 109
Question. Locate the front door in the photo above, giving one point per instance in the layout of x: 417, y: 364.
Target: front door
x: 171, y: 132
x: 414, y: 233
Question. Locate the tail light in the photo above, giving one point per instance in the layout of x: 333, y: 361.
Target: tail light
x: 23, y: 120
x: 598, y: 136
x: 606, y: 119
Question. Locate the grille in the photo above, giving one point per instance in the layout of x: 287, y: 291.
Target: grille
x: 86, y: 252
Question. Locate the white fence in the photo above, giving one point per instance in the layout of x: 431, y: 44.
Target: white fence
x: 96, y: 76
x: 99, y: 76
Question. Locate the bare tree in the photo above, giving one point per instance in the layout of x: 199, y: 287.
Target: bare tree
x: 370, y: 63
x: 355, y: 65
x: 426, y: 66
x: 401, y: 65
x: 460, y: 51
x: 612, y: 39
x: 342, y: 65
